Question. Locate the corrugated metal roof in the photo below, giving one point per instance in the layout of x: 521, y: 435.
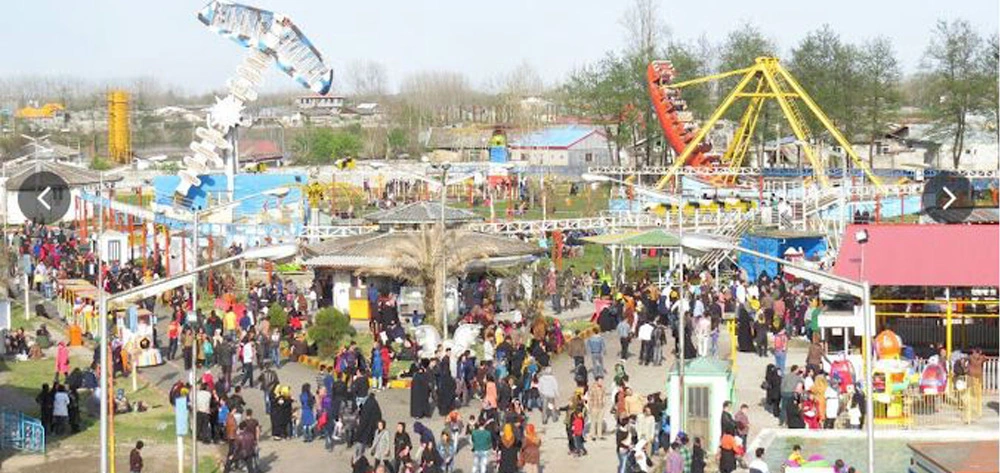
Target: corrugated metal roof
x: 922, y: 255
x: 421, y: 212
x: 73, y: 175
x: 552, y: 137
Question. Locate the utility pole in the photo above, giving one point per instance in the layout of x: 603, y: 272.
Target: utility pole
x: 441, y: 260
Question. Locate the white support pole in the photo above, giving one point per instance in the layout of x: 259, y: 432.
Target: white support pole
x: 27, y: 297
x: 868, y: 359
x: 180, y: 454
x: 102, y: 313
x: 194, y: 351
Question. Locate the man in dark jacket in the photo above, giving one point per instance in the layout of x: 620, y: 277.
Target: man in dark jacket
x: 135, y: 458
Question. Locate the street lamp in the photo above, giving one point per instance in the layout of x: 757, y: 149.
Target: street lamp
x: 444, y: 272
x: 859, y: 289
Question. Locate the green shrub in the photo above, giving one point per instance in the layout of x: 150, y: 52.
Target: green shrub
x: 329, y: 329
x: 276, y: 314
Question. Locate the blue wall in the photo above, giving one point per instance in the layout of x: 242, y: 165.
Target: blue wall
x: 245, y: 185
x: 754, y: 266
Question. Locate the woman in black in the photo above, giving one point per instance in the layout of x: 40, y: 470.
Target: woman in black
x: 401, y: 445
x: 772, y: 393
x: 795, y: 413
x: 697, y: 457
x: 510, y: 448
x: 45, y: 400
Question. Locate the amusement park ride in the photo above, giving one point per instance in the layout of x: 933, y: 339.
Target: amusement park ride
x: 765, y: 80
x: 269, y: 37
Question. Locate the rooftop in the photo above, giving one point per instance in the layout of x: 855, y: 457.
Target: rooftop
x: 370, y: 251
x: 421, y: 213
x: 562, y: 136
x: 72, y: 174
x: 935, y: 255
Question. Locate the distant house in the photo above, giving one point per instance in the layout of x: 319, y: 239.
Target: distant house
x: 261, y: 152
x: 458, y: 143
x: 567, y: 146
x: 321, y: 103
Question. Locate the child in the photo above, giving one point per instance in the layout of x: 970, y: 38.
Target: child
x: 796, y: 456
x: 855, y: 415
x: 577, y: 429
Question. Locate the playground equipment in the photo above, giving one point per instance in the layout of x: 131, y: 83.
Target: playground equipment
x: 890, y: 378
x: 765, y: 80
x: 269, y: 37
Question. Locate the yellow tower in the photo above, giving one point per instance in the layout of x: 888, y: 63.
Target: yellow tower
x: 119, y: 135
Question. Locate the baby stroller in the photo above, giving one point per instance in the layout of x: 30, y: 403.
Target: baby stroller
x: 637, y: 461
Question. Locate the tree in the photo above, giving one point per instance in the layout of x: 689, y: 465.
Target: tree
x: 397, y: 140
x: 277, y: 316
x: 879, y: 93
x: 955, y: 79
x: 604, y: 93
x: 740, y: 49
x: 990, y: 98
x: 323, y: 145
x: 742, y: 46
x: 366, y: 78
x: 829, y: 71
x: 511, y: 89
x: 330, y: 327
x: 645, y: 34
x: 417, y: 259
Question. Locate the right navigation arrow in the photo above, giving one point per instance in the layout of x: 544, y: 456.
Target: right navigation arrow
x: 951, y: 198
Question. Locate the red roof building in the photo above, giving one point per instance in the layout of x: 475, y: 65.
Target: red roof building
x: 922, y: 255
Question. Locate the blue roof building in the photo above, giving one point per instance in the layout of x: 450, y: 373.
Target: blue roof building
x: 570, y: 146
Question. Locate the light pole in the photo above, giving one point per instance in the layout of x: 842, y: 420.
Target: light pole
x: 102, y: 310
x: 443, y: 287
x: 193, y: 316
x: 858, y: 289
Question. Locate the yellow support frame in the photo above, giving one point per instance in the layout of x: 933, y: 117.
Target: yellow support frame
x: 776, y: 83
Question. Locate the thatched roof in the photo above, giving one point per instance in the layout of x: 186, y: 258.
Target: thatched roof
x: 373, y: 250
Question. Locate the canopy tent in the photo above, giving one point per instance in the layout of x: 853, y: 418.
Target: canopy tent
x: 633, y: 242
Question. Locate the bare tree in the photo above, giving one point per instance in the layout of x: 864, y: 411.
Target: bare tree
x: 366, y: 78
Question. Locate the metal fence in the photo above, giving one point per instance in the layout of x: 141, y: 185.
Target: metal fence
x: 961, y: 404
x: 20, y: 432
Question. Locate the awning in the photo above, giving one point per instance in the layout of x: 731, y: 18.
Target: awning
x: 655, y: 238
x: 922, y: 255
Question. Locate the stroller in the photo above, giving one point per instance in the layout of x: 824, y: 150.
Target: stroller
x: 637, y: 461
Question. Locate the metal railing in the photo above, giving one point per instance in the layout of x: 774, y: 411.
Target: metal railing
x: 960, y: 404
x: 21, y: 432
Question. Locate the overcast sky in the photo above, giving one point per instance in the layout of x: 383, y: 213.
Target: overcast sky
x: 109, y: 39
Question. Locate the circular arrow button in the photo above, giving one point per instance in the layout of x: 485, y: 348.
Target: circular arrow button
x: 43, y: 197
x: 947, y: 198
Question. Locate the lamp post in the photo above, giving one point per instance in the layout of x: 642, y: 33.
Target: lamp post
x: 193, y: 316
x: 102, y: 304
x: 443, y: 287
x: 855, y: 288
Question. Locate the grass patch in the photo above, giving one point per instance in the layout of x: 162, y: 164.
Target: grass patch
x: 153, y: 426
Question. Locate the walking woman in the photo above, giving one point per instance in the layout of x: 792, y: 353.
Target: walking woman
x: 510, y: 449
x: 727, y: 454
x: 308, y: 417
x: 531, y: 450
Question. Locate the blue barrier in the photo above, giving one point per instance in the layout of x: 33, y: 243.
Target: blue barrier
x: 20, y: 432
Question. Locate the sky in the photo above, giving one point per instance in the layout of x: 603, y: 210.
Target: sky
x: 103, y: 40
